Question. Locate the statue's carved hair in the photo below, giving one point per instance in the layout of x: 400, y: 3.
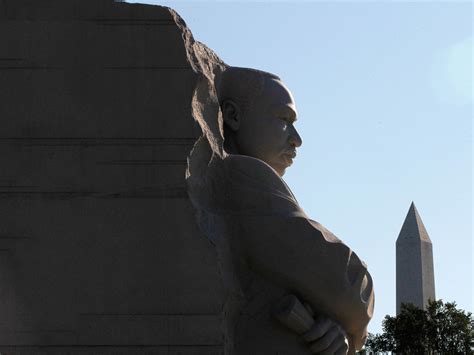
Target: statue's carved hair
x: 243, y: 85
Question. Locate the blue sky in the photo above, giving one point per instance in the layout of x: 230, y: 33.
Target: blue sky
x: 384, y: 93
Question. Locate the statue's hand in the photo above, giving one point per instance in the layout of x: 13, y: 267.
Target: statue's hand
x: 326, y: 337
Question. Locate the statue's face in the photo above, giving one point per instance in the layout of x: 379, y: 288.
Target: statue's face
x: 266, y: 130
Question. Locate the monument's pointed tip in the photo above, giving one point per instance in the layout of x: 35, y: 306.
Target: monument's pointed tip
x: 413, y: 226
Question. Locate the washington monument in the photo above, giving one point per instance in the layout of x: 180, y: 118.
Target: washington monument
x: 415, y: 273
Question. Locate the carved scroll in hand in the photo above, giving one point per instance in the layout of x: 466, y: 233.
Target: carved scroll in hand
x: 322, y: 337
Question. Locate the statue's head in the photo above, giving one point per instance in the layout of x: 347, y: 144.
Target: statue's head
x: 259, y: 114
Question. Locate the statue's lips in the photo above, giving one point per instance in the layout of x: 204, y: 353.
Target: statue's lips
x: 289, y: 156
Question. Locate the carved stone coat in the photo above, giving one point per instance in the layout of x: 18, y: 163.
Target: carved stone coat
x: 268, y: 248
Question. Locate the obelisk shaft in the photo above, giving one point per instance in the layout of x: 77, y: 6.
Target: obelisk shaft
x: 414, y: 263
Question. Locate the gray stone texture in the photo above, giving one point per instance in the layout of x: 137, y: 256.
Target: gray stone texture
x: 268, y: 248
x: 99, y: 248
x: 100, y: 252
x: 414, y: 259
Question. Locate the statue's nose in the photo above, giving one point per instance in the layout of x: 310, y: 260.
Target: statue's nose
x: 295, y: 139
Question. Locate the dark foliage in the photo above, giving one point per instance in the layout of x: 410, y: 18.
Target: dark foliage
x: 440, y: 329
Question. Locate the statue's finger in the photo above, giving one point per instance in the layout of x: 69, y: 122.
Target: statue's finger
x: 342, y: 350
x: 332, y: 349
x: 319, y: 328
x: 309, y: 308
x: 325, y: 341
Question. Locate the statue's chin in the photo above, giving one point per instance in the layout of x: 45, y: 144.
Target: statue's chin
x: 280, y: 167
x: 284, y: 163
x: 280, y: 170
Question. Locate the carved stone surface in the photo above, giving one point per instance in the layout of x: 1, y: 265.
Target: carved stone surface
x: 100, y: 252
x: 267, y: 246
x: 107, y: 107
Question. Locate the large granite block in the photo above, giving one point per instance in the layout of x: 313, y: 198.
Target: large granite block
x: 99, y: 249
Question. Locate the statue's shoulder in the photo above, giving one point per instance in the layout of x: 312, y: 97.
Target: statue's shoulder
x: 239, y: 161
x: 250, y: 168
x: 253, y: 185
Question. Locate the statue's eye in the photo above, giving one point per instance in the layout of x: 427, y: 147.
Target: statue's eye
x: 284, y: 122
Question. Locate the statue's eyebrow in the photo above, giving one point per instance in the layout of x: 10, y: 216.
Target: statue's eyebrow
x: 287, y: 111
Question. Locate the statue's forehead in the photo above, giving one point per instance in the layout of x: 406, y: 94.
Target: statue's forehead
x: 277, y: 91
x: 279, y: 96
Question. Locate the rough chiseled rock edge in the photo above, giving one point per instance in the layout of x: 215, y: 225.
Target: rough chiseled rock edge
x: 209, y: 67
x: 205, y: 109
x: 203, y: 165
x: 208, y: 148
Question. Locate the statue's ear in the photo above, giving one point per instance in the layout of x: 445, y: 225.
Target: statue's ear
x: 231, y: 114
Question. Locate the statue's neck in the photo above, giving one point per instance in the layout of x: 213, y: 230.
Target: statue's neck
x: 230, y: 146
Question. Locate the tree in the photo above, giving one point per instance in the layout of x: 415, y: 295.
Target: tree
x: 450, y: 330
x: 440, y: 329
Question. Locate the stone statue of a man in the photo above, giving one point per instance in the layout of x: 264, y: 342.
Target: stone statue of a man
x: 268, y: 247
